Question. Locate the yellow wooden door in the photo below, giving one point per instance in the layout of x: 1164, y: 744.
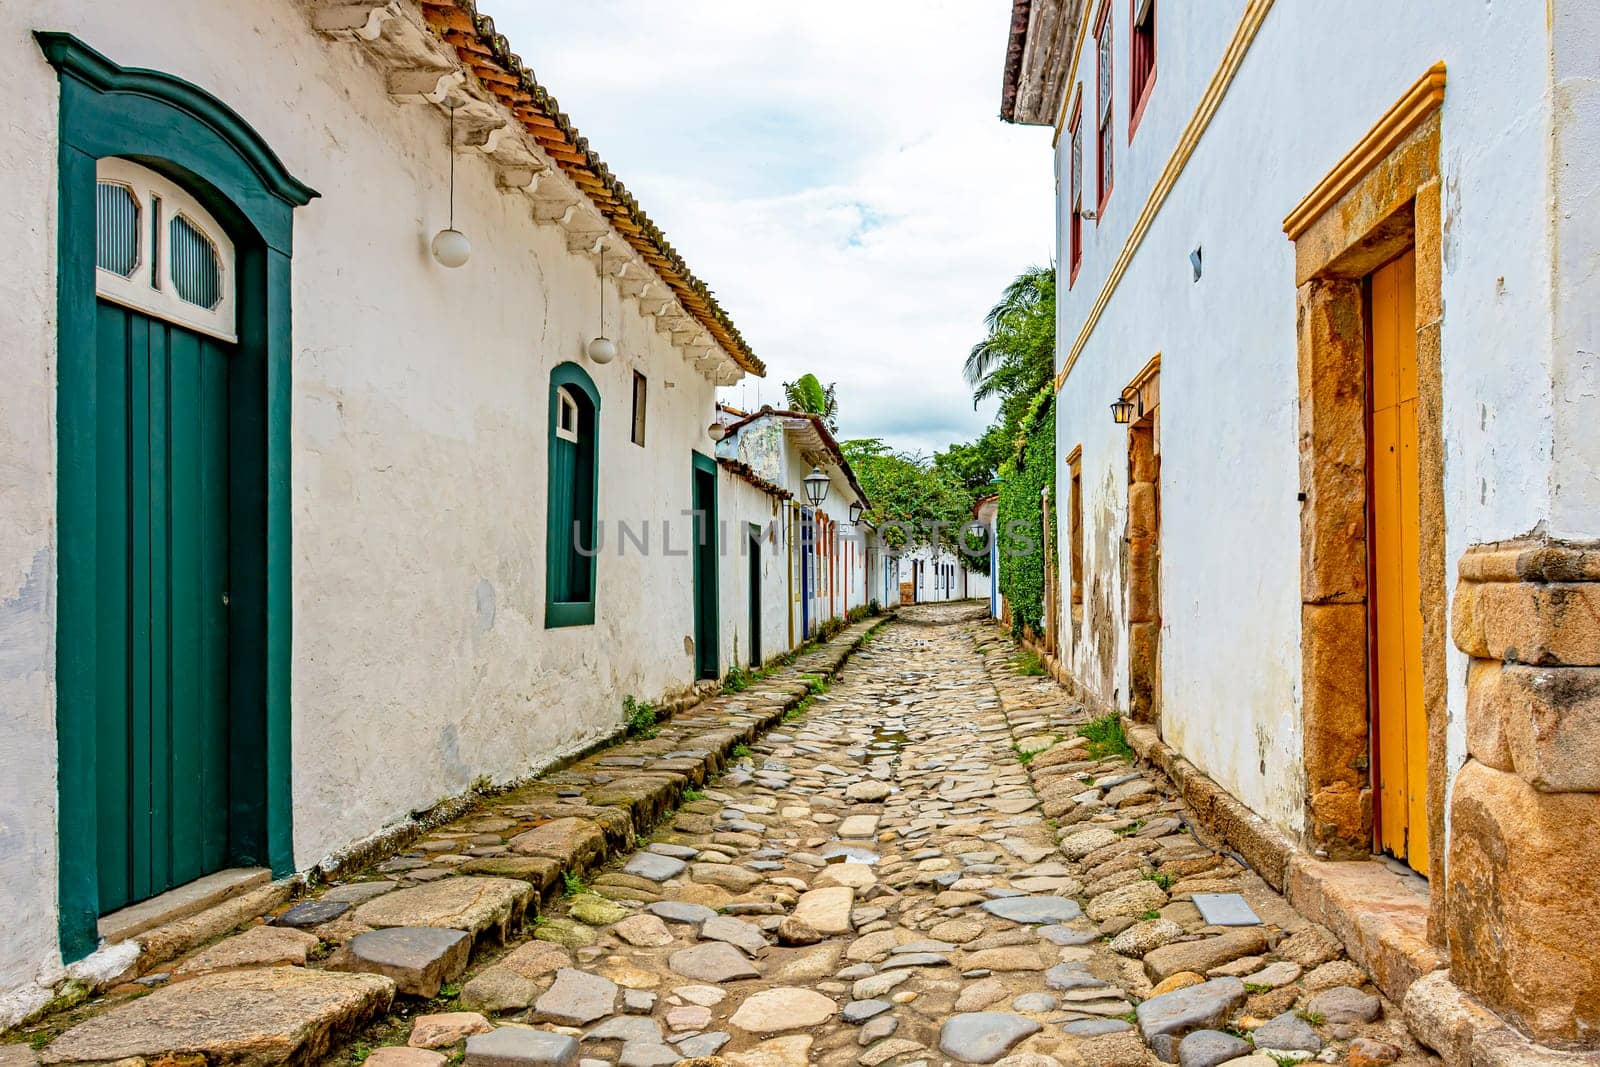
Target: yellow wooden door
x: 1399, y: 721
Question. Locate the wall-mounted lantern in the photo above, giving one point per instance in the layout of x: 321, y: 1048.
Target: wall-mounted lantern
x: 816, y: 487
x: 717, y: 431
x: 855, y: 512
x: 1122, y: 410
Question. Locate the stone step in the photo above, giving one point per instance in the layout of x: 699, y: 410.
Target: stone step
x: 252, y: 1018
x: 179, y: 903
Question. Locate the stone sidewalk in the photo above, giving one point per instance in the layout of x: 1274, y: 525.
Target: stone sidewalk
x: 928, y: 865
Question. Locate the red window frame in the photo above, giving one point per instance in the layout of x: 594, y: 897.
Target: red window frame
x: 1141, y: 62
x: 1075, y: 191
x: 1104, y: 94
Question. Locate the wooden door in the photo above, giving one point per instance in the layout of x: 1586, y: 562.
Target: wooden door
x: 162, y: 721
x: 706, y: 621
x: 753, y: 541
x: 1399, y: 726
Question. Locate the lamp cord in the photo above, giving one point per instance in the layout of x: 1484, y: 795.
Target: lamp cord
x: 452, y: 163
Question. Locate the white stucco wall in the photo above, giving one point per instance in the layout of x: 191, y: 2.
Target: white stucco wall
x: 932, y: 588
x: 420, y: 395
x: 1317, y: 77
x: 742, y: 505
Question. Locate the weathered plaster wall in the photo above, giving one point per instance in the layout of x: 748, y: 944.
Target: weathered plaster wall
x: 420, y: 396
x: 1575, y: 268
x: 743, y: 505
x: 1316, y: 78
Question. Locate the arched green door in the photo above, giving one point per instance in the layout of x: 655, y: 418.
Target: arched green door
x: 164, y: 346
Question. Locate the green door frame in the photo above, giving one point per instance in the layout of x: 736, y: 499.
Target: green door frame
x: 194, y: 139
x: 707, y: 623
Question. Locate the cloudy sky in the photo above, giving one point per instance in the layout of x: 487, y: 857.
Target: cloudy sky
x: 834, y: 170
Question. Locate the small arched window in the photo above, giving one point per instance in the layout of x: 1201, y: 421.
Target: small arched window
x: 159, y: 252
x: 573, y: 537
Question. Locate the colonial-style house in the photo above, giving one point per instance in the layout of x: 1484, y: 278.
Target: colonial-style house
x: 826, y: 541
x: 1326, y: 388
x: 935, y: 573
x: 341, y: 377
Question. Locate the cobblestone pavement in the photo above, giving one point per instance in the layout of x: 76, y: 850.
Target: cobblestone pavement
x: 928, y: 865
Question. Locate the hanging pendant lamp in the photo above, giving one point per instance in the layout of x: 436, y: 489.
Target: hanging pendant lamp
x: 450, y: 246
x: 602, y: 349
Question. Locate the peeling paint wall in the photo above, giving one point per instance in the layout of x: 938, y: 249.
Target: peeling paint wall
x: 1230, y: 570
x: 420, y: 396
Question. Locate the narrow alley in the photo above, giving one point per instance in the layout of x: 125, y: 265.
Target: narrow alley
x: 928, y: 863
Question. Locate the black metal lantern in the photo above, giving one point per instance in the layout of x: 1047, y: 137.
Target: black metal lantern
x: 816, y: 487
x: 855, y: 512
x: 1122, y: 411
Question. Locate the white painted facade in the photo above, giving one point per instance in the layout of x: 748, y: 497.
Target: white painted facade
x: 421, y: 663
x: 1519, y: 334
x: 828, y: 565
x: 936, y: 574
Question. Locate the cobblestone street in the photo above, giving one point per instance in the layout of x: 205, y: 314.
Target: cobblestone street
x: 927, y: 864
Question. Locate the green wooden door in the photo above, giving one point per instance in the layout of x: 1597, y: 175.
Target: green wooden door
x: 162, y: 567
x: 706, y: 616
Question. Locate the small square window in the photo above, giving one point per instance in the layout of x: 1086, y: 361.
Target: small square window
x: 566, y: 415
x: 640, y: 394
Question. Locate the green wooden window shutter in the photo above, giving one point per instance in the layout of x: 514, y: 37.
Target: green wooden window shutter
x: 572, y: 494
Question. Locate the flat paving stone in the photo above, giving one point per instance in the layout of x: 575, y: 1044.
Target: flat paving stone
x: 309, y: 913
x: 712, y: 961
x: 471, y: 903
x: 577, y: 998
x: 655, y: 867
x: 674, y: 911
x: 257, y: 1017
x: 1033, y: 909
x: 983, y: 1036
x: 517, y: 1047
x: 419, y: 959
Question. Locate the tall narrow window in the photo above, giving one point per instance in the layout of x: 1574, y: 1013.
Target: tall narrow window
x: 639, y: 395
x: 1103, y: 109
x: 1141, y: 59
x: 571, y: 531
x: 1075, y: 195
x: 1075, y: 518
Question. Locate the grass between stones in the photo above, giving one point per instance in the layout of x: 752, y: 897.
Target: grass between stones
x: 1106, y: 737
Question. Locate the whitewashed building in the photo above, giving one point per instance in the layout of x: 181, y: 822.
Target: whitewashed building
x: 827, y: 548
x: 293, y: 507
x: 936, y: 573
x: 1335, y: 266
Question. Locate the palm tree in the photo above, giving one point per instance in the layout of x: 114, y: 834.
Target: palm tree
x: 808, y: 394
x: 1019, y: 354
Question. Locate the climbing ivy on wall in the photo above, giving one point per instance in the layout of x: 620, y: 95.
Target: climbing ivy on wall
x: 1020, y: 526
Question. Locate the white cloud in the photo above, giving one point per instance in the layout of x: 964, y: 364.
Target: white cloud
x: 834, y: 170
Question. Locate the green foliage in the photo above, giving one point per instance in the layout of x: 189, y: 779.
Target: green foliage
x: 640, y: 716
x: 915, y: 501
x: 1017, y: 357
x: 1028, y: 663
x: 738, y: 680
x: 1019, y: 520
x: 1315, y: 1018
x: 1150, y: 915
x: 808, y: 394
x: 1164, y: 881
x: 1106, y: 737
x: 573, y: 884
x: 741, y: 750
x: 1023, y: 754
x: 692, y: 794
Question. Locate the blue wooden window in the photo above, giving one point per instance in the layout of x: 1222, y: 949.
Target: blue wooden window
x: 572, y: 530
